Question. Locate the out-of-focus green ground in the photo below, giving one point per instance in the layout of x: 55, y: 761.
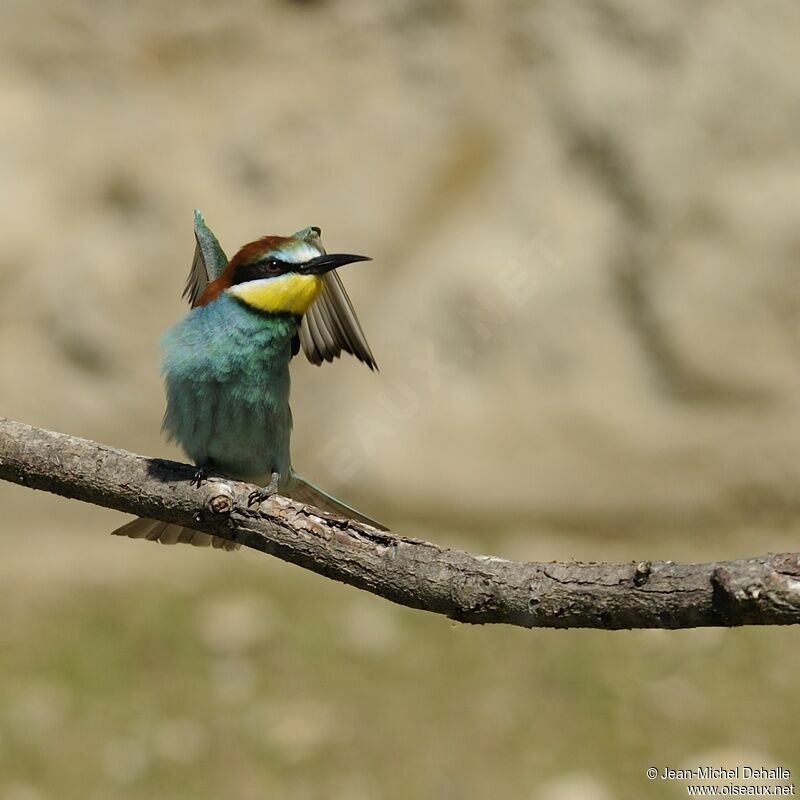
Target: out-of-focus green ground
x: 137, y: 672
x: 585, y: 304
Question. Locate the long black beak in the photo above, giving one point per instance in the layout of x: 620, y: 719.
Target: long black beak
x: 321, y: 264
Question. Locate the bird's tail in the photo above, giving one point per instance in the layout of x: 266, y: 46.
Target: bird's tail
x: 296, y: 488
x: 166, y: 533
x: 299, y: 489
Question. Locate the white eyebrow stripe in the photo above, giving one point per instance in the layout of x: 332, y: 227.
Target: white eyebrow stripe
x: 297, y: 254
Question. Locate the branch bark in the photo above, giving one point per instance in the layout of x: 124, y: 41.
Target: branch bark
x: 463, y: 586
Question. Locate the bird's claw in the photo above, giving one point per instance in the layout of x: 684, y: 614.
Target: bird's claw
x: 259, y: 495
x: 200, y: 475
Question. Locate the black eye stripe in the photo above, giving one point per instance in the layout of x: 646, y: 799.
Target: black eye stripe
x: 273, y: 266
x: 265, y: 268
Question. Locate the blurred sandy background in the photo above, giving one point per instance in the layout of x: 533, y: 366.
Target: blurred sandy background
x: 585, y: 304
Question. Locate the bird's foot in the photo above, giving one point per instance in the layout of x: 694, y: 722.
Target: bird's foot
x: 200, y: 475
x: 259, y: 495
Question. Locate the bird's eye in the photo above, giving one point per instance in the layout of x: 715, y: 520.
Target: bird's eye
x: 272, y: 267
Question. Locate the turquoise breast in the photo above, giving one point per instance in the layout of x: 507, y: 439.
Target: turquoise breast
x: 226, y: 374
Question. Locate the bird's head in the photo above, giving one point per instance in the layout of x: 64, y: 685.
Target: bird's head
x: 278, y: 274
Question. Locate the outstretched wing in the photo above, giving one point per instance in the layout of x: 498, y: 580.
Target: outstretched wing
x: 331, y: 326
x: 208, y: 263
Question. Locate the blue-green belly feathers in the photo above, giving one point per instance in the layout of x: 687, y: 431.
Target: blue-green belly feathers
x: 226, y: 371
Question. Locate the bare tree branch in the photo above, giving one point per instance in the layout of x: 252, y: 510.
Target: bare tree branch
x: 463, y: 586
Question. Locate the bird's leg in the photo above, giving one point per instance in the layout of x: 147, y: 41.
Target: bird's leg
x: 257, y: 496
x: 200, y: 475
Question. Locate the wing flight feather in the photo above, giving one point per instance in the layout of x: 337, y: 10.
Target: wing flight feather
x: 208, y: 263
x: 331, y: 327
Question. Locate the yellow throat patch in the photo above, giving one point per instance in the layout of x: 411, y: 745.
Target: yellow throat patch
x: 287, y: 294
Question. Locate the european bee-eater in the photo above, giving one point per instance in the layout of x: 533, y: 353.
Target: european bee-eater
x: 226, y: 364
